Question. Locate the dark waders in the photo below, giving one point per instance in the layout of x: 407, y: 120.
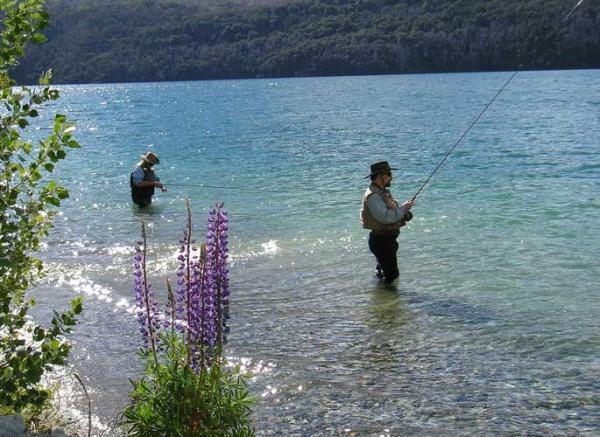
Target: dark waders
x: 385, y: 246
x: 141, y: 196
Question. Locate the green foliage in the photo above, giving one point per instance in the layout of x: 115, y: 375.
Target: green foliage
x: 27, y: 350
x: 174, y: 400
x: 144, y: 40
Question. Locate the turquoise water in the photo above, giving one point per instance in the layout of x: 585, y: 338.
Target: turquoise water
x: 494, y: 326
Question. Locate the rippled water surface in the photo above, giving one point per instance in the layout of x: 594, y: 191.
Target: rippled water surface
x: 494, y: 326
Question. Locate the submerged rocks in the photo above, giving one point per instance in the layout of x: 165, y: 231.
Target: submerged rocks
x: 11, y: 426
x: 14, y: 426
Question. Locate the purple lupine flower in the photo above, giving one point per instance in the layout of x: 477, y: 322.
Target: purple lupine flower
x: 195, y: 302
x: 148, y: 314
x: 222, y: 270
x: 181, y: 296
x: 210, y: 331
x: 209, y: 322
x: 155, y: 317
x: 217, y: 259
x: 189, y: 295
x: 199, y: 308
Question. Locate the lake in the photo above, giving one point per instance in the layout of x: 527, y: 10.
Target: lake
x: 494, y: 326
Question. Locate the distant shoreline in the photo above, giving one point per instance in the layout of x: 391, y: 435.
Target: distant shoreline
x: 315, y: 76
x: 92, y: 41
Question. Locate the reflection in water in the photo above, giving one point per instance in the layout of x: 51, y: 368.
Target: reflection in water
x: 385, y: 310
x: 387, y: 316
x: 154, y: 208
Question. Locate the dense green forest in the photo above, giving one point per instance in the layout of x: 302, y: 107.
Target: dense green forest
x: 153, y: 40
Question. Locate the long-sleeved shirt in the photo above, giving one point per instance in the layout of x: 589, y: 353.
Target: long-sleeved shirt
x: 138, y: 175
x: 380, y: 211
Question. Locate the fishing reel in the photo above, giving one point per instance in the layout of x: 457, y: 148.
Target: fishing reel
x: 406, y: 218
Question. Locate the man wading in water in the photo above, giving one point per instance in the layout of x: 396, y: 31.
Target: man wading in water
x: 384, y: 217
x: 143, y: 180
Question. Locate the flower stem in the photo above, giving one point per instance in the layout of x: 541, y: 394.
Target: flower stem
x: 147, y: 296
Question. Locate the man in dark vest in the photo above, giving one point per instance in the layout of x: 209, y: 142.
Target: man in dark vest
x: 382, y: 214
x: 143, y: 180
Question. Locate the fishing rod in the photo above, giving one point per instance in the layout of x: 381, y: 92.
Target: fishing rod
x: 463, y: 135
x: 487, y: 106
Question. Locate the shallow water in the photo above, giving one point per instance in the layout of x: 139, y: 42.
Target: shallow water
x: 493, y: 328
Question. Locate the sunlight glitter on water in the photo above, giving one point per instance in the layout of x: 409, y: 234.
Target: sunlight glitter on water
x: 493, y: 326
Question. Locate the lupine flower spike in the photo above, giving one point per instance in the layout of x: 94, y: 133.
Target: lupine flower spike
x: 188, y: 293
x: 146, y: 305
x: 199, y: 308
x: 217, y: 260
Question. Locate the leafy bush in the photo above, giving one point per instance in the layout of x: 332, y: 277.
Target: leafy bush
x: 187, y: 389
x: 27, y: 199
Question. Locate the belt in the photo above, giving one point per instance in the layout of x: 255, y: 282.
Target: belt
x: 385, y: 232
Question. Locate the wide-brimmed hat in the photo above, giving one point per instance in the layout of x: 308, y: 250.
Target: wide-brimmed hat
x: 380, y: 167
x: 151, y: 158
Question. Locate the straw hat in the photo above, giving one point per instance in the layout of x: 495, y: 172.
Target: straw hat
x: 150, y: 158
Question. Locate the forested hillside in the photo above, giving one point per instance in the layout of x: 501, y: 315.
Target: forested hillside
x: 149, y: 40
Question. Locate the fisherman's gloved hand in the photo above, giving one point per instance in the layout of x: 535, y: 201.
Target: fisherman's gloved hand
x: 407, y: 217
x: 408, y: 205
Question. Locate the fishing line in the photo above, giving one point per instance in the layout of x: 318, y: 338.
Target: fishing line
x: 486, y: 107
x: 217, y: 187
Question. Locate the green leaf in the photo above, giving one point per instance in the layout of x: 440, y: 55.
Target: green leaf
x: 39, y: 333
x: 62, y: 193
x: 77, y: 305
x: 59, y: 120
x: 35, y: 176
x: 46, y: 77
x: 39, y: 38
